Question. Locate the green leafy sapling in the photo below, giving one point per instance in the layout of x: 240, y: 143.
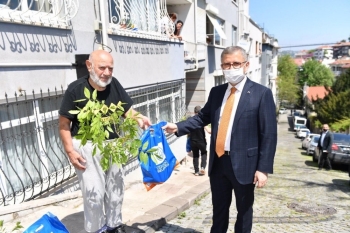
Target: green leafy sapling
x: 3, y: 229
x: 97, y: 121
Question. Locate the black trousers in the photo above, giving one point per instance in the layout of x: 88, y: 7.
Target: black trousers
x: 196, y: 147
x: 323, y: 158
x: 222, y: 182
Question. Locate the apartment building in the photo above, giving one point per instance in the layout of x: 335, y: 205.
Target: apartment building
x: 323, y: 52
x: 44, y: 45
x: 341, y: 49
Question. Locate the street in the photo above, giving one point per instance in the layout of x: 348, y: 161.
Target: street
x: 298, y: 197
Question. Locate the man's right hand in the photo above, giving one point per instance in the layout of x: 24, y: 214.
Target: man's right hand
x: 170, y: 128
x: 77, y: 160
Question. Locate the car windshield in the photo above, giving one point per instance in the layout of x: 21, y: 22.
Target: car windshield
x: 340, y: 138
x: 315, y: 138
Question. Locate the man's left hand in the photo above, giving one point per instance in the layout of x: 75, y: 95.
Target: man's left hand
x: 260, y: 178
x: 144, y: 122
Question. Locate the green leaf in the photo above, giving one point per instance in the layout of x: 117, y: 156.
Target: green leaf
x: 81, y: 100
x: 74, y: 111
x: 145, y: 145
x: 87, y: 93
x: 94, y: 94
x: 151, y: 150
x: 143, y: 158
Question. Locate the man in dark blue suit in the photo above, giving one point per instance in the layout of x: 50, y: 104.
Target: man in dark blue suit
x: 243, y: 141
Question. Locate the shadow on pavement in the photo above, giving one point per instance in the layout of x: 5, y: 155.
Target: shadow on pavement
x: 74, y: 222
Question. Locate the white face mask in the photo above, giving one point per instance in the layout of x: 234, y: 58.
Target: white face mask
x: 234, y: 76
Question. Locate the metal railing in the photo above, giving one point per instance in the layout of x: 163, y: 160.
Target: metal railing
x: 32, y: 158
x: 142, y: 18
x: 39, y: 12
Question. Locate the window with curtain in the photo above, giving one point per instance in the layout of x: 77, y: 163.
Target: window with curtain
x: 215, y: 30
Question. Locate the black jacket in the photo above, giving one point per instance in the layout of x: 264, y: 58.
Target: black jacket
x: 327, y: 141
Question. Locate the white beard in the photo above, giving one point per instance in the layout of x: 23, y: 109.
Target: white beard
x: 97, y: 81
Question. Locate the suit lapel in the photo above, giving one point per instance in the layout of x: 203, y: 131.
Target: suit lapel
x: 243, y: 102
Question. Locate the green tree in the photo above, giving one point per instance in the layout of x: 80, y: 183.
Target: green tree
x: 334, y: 109
x: 342, y: 82
x: 286, y: 82
x: 314, y: 73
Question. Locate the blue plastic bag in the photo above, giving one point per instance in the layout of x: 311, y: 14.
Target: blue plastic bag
x: 161, y: 161
x: 48, y: 223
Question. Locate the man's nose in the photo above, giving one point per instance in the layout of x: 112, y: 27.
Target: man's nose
x: 107, y: 71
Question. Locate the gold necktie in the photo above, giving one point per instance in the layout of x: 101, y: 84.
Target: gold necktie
x: 224, y: 122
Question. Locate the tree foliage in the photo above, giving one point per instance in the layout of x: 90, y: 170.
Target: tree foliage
x: 314, y: 73
x: 334, y: 109
x: 342, y: 83
x: 287, y: 87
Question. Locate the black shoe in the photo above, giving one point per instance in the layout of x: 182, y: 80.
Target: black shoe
x: 119, y: 229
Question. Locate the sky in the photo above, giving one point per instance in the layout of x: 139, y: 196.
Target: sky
x: 300, y: 22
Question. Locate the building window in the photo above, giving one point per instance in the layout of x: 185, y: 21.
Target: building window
x: 220, y: 79
x: 142, y: 18
x: 234, y: 36
x: 46, y: 13
x: 215, y: 30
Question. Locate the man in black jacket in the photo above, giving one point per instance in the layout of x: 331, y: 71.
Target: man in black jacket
x: 325, y: 146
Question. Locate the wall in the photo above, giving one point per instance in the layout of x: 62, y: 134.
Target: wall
x: 53, y: 50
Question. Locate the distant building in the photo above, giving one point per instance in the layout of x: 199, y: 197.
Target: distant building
x: 323, y: 52
x: 340, y: 65
x: 341, y: 49
x: 305, y: 54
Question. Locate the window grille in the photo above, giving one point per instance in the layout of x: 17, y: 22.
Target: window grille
x: 32, y: 158
x: 46, y: 13
x: 140, y: 18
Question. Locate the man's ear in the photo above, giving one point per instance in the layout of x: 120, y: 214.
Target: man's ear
x: 88, y: 65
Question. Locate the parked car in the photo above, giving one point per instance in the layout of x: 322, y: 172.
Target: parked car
x: 312, y: 145
x: 302, y: 133
x: 305, y: 143
x: 282, y: 110
x: 299, y: 127
x: 340, y: 149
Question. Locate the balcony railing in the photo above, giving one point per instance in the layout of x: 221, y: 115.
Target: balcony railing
x: 32, y: 159
x: 142, y: 18
x: 48, y: 13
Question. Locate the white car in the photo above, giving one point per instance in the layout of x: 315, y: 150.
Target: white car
x: 305, y: 143
x: 282, y: 110
x: 302, y: 133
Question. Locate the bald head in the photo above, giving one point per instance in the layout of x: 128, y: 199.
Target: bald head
x: 100, y: 55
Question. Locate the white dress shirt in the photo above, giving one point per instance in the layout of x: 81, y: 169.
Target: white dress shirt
x: 239, y: 89
x: 322, y: 137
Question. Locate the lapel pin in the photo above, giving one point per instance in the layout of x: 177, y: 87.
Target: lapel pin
x: 248, y: 92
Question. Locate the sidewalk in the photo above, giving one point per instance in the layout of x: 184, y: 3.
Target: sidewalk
x: 142, y: 211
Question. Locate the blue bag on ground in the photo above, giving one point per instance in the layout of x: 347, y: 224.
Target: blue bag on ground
x: 48, y: 223
x: 157, y: 160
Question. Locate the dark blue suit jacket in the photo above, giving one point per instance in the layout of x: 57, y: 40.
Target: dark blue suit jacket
x: 254, y: 130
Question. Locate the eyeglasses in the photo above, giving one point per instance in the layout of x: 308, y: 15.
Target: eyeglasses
x: 235, y: 65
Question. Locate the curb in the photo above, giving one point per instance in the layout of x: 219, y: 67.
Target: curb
x: 168, y: 210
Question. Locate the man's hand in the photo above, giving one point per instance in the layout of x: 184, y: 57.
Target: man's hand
x: 261, y: 178
x: 143, y: 121
x: 170, y: 128
x: 77, y: 160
